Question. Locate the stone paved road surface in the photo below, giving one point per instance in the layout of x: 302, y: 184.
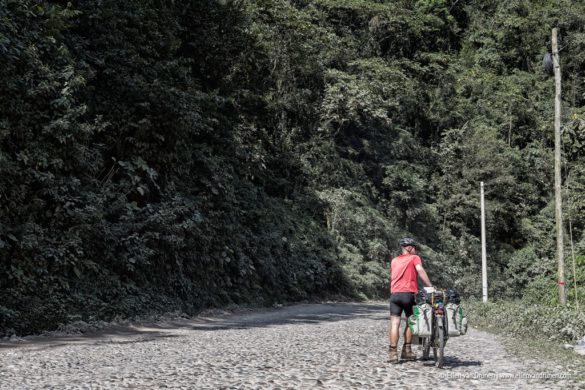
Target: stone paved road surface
x: 321, y: 346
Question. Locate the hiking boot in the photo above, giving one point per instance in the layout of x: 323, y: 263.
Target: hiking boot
x: 392, y: 354
x: 407, y: 353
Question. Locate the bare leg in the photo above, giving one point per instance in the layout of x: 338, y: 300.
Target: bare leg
x: 394, y: 329
x: 393, y: 338
x: 407, y: 335
x: 407, y: 353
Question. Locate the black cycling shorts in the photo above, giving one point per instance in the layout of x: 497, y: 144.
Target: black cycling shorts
x: 401, y: 301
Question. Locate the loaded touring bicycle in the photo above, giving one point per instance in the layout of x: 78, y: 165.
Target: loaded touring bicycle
x: 437, y: 316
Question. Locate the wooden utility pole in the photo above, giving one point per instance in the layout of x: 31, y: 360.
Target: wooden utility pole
x: 483, y: 249
x: 558, y: 202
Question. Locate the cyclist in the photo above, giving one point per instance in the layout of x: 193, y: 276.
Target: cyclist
x: 403, y: 287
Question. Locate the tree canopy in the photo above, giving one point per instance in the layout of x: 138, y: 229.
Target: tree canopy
x: 178, y: 155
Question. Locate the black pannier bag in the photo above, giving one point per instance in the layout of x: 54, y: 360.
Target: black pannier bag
x: 427, y: 297
x: 422, y: 297
x: 452, y: 296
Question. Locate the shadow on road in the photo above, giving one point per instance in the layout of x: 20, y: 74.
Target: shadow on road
x: 298, y: 314
x: 451, y: 362
x: 111, y: 335
x: 146, y: 332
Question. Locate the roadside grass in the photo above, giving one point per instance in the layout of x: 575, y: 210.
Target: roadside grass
x: 534, y: 332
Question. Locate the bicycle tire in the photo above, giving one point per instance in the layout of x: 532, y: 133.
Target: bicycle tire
x: 434, y: 345
x: 433, y: 340
x: 426, y: 348
x: 439, y: 360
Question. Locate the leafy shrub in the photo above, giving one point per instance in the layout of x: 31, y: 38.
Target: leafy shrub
x: 525, y: 319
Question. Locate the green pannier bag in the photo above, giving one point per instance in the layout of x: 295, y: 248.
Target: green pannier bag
x: 456, y: 321
x: 421, y: 319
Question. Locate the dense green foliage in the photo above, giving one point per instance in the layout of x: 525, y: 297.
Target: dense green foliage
x: 186, y: 154
x: 534, y: 321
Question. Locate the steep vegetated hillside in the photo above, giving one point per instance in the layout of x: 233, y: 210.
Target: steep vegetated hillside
x: 178, y: 155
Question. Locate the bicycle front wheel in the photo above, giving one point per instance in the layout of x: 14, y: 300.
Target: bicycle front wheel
x: 426, y: 348
x: 440, y: 342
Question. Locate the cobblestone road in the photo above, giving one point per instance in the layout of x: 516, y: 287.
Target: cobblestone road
x: 324, y: 346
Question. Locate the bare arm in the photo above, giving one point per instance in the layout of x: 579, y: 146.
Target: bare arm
x: 423, y: 275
